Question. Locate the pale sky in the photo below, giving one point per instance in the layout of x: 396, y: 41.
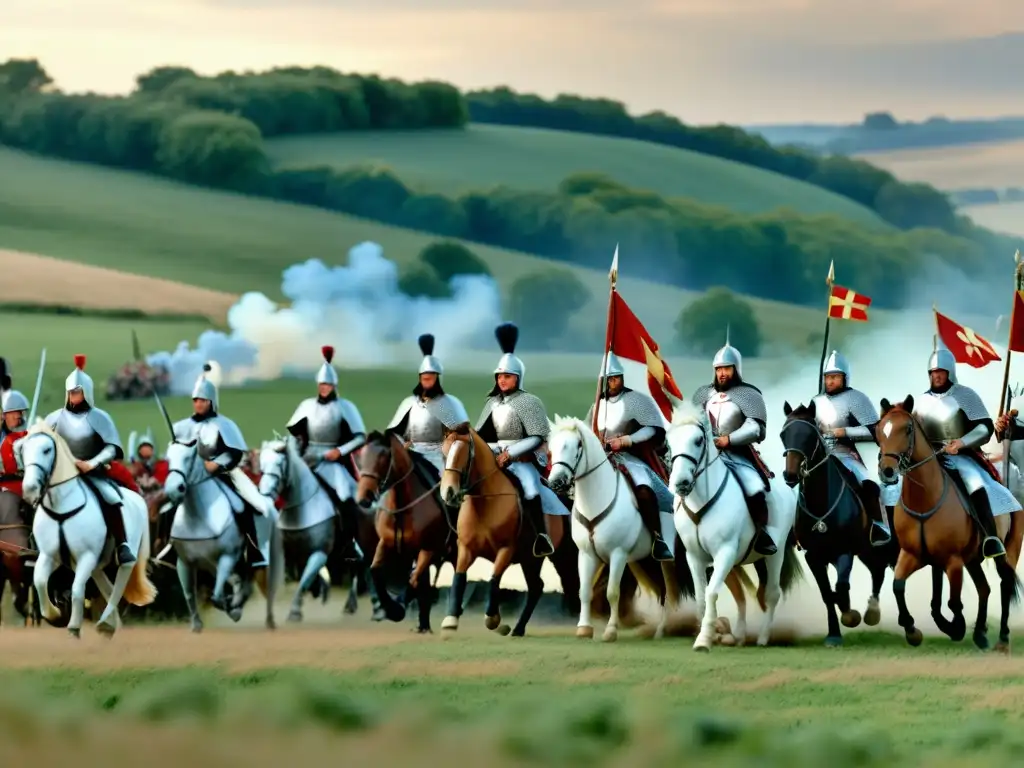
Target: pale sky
x: 736, y: 61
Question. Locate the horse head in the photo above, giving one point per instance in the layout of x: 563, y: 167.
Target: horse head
x: 572, y: 453
x: 184, y: 469
x: 801, y: 441
x: 383, y: 462
x: 691, y: 445
x: 896, y: 433
x: 460, y: 456
x: 46, y: 459
x: 274, y: 464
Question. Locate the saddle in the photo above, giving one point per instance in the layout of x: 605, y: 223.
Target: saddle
x: 961, y: 489
x: 519, y: 496
x: 750, y: 453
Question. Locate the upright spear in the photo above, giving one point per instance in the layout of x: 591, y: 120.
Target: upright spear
x: 828, y: 317
x: 1004, y: 393
x: 609, y: 334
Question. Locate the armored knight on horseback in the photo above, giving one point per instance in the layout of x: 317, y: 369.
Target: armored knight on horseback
x: 92, y: 438
x: 220, y: 445
x: 738, y: 419
x: 422, y: 417
x: 633, y: 430
x: 956, y: 421
x: 514, y: 423
x: 329, y: 428
x: 846, y: 416
x: 15, y: 408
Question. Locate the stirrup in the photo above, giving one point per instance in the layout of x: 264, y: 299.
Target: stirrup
x: 876, y: 540
x: 545, y: 540
x: 999, y: 544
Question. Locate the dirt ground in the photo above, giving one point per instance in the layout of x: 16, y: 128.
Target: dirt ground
x: 27, y: 277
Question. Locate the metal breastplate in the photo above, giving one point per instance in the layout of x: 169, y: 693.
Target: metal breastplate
x: 325, y: 423
x: 613, y: 420
x: 827, y: 414
x: 941, y: 417
x: 79, y: 434
x: 726, y: 417
x: 422, y: 426
x: 208, y: 444
x: 507, y: 425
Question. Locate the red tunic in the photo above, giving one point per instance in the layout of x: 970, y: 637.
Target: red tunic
x: 120, y: 474
x: 157, y: 470
x: 11, y: 474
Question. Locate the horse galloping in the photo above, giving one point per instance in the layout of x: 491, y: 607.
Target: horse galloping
x: 831, y: 526
x: 491, y: 525
x: 414, y: 530
x: 715, y: 526
x: 205, y: 536
x: 307, y: 520
x: 69, y: 530
x: 935, y: 526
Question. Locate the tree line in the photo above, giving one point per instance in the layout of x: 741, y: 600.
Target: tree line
x: 168, y: 126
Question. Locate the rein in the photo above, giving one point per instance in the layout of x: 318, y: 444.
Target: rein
x: 701, y: 465
x: 589, y: 523
x: 905, y: 465
x: 465, y: 486
x: 805, y: 472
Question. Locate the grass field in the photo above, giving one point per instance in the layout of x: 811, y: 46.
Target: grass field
x: 378, y: 695
x: 967, y: 166
x: 531, y: 158
x: 150, y: 226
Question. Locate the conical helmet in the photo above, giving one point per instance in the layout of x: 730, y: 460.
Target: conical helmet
x: 327, y: 374
x: 942, y: 360
x: 611, y: 366
x: 507, y: 335
x: 205, y: 389
x: 728, y: 355
x: 837, y: 363
x: 79, y: 379
x: 430, y: 364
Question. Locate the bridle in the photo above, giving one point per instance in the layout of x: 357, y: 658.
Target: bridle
x: 465, y: 486
x: 575, y: 466
x: 820, y: 443
x: 383, y: 486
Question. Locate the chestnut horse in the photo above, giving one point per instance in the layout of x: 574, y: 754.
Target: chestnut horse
x: 413, y: 527
x: 935, y: 527
x: 490, y: 525
x: 14, y: 551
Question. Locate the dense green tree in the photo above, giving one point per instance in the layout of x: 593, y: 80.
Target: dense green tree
x: 448, y: 259
x: 23, y: 76
x: 702, y: 325
x: 542, y: 303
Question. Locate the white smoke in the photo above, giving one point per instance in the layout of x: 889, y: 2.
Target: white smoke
x: 357, y: 308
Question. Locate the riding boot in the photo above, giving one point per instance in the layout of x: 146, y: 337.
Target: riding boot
x: 542, y: 546
x: 991, y: 546
x: 647, y: 501
x: 247, y: 526
x: 870, y: 497
x: 763, y: 543
x: 115, y: 528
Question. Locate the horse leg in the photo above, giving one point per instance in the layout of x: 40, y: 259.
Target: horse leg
x: 84, y: 566
x: 107, y: 624
x: 819, y: 569
x: 977, y: 574
x: 616, y: 567
x: 457, y: 591
x: 534, y: 590
x: 225, y: 566
x: 106, y: 589
x: 420, y: 580
x: 314, y: 563
x: 738, y: 636
x: 187, y: 579
x: 906, y: 565
x: 844, y: 568
x: 587, y: 565
x: 724, y: 560
x: 955, y: 574
x: 492, y: 614
x: 1008, y: 586
x: 773, y: 593
x: 44, y: 568
x: 699, y: 573
x: 876, y: 566
x: 392, y: 610
x: 944, y: 626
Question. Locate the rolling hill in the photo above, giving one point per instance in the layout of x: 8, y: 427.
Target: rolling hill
x: 532, y: 158
x: 151, y: 226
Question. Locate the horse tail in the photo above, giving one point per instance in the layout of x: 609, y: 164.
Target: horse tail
x: 746, y: 583
x: 685, y: 587
x: 565, y: 561
x: 649, y: 577
x: 792, y: 572
x: 139, y: 590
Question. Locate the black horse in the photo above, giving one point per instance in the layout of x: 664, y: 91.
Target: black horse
x: 831, y: 524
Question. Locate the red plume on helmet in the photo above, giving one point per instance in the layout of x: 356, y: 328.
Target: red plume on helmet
x: 80, y: 362
x: 328, y: 352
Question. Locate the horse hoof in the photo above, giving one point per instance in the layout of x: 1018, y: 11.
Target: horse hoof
x: 270, y: 624
x: 702, y: 643
x: 517, y: 632
x: 833, y: 642
x: 659, y: 633
x: 75, y: 633
x: 585, y: 633
x: 378, y: 615
x: 914, y: 637
x: 722, y: 625
x: 851, y: 618
x: 450, y: 622
x: 197, y: 628
x: 873, y: 614
x: 728, y: 640
x: 1003, y: 646
x: 351, y: 605
x: 235, y: 614
x: 295, y: 616
x: 981, y: 640
x: 395, y: 613
x: 610, y: 635
x: 958, y: 631
x: 105, y: 630
x: 504, y: 629
x: 492, y: 622
x: 423, y: 631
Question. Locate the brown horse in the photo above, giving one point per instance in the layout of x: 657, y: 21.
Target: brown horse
x: 412, y: 525
x: 935, y: 527
x: 491, y: 525
x: 14, y: 550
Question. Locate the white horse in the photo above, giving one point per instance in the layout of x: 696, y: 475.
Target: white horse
x: 606, y: 524
x: 308, y: 520
x: 714, y: 525
x: 205, y: 537
x: 69, y: 530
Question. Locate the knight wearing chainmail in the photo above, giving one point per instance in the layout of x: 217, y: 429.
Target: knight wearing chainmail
x: 846, y: 417
x: 633, y: 430
x: 93, y: 440
x: 221, y: 447
x: 514, y: 423
x: 15, y: 409
x: 955, y: 418
x: 738, y: 419
x: 423, y: 416
x: 329, y: 428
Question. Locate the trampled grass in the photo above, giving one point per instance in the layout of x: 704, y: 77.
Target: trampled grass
x: 531, y: 158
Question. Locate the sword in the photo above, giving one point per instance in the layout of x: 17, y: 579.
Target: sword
x: 137, y: 351
x: 39, y: 388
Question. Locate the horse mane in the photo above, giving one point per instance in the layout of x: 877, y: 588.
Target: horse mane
x: 64, y: 467
x: 686, y: 414
x: 572, y: 424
